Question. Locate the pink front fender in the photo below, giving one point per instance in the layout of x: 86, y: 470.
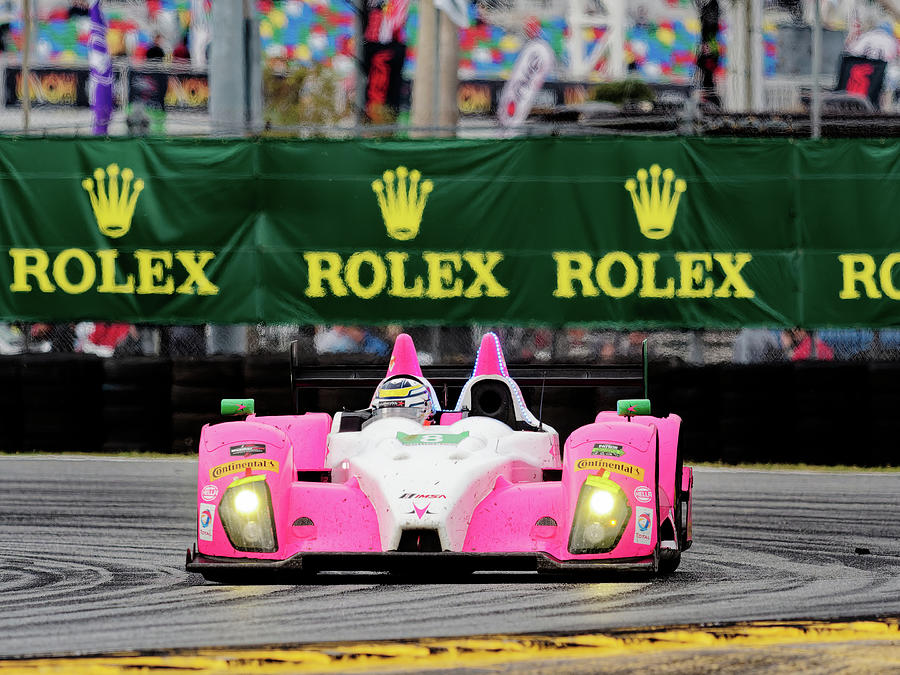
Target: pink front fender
x: 631, y: 465
x: 308, y: 516
x: 331, y: 517
x: 507, y: 519
x: 227, y: 452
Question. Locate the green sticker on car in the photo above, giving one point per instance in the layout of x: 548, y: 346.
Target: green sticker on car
x: 431, y: 439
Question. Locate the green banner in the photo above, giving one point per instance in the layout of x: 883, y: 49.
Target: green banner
x: 649, y: 232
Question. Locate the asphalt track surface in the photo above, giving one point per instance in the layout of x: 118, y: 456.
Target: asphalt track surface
x: 92, y: 561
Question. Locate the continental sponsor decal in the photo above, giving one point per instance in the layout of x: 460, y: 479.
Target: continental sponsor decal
x: 113, y: 195
x: 613, y: 465
x: 259, y: 464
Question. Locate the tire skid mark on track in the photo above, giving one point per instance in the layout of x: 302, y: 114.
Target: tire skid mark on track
x: 58, y: 577
x: 759, y: 554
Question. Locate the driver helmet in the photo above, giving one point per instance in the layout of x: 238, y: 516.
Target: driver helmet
x: 403, y: 395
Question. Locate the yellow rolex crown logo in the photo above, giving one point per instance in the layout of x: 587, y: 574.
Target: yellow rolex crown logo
x: 113, y: 205
x: 401, y: 204
x: 655, y: 209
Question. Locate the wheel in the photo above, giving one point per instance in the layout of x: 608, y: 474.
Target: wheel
x: 668, y: 561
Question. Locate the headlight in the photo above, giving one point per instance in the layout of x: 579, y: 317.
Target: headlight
x: 602, y: 502
x: 246, y: 502
x: 247, y: 516
x: 601, y: 514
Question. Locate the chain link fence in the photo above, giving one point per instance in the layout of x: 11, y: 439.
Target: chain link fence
x: 454, y: 345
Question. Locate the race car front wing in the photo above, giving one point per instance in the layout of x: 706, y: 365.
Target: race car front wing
x: 411, y: 562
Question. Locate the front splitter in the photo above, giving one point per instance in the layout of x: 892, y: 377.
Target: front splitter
x: 216, y: 567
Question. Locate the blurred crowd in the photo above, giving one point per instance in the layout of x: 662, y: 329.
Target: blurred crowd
x: 151, y: 31
x: 756, y: 345
x: 451, y: 345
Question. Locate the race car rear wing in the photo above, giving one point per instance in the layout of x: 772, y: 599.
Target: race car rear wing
x: 628, y: 380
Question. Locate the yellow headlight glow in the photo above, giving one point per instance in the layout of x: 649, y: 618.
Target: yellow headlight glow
x: 602, y: 502
x: 601, y: 514
x: 246, y: 502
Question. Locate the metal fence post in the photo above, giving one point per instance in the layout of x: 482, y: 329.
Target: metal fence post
x: 816, y: 113
x: 26, y: 57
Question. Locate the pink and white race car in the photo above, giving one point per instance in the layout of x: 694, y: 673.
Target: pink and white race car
x: 406, y: 486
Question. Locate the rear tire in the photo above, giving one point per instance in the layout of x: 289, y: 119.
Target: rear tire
x: 670, y: 559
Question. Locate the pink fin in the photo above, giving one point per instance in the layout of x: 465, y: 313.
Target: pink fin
x: 490, y: 359
x: 501, y: 483
x: 404, y: 360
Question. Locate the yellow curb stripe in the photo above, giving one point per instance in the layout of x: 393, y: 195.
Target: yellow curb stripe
x: 463, y: 652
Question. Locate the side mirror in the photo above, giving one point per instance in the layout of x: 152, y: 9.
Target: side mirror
x: 629, y: 407
x: 238, y: 406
